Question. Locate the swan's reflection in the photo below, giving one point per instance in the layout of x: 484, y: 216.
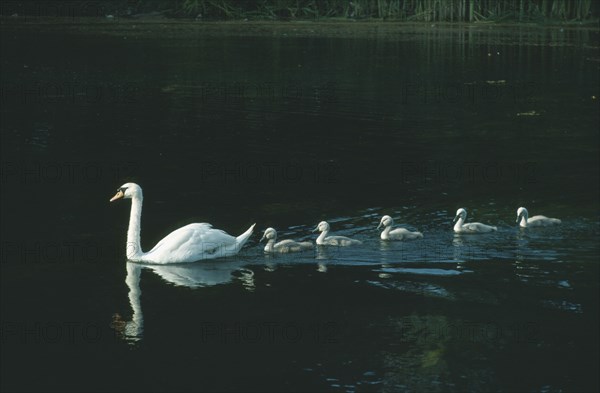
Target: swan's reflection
x: 270, y: 263
x: 385, y: 251
x: 322, y: 267
x: 522, y: 243
x: 392, y: 253
x: 323, y: 252
x: 460, y: 248
x: 132, y: 330
x: 322, y: 255
x: 201, y: 274
x: 191, y: 275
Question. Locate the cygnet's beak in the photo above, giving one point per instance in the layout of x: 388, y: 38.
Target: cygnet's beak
x: 118, y: 195
x: 316, y: 229
x: 456, y: 218
x: 519, y: 217
x: 263, y: 237
x: 380, y: 224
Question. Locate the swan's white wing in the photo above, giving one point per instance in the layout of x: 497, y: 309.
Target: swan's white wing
x: 478, y: 227
x: 286, y: 242
x: 292, y: 246
x: 190, y: 243
x: 399, y: 232
x: 403, y: 233
x: 341, y: 241
x: 542, y: 221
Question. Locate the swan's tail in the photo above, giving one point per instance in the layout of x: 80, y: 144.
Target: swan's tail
x: 243, y: 238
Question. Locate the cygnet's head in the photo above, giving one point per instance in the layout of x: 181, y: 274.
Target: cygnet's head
x: 270, y: 233
x: 386, y: 221
x: 322, y: 227
x: 522, y: 212
x: 460, y: 213
x: 128, y: 191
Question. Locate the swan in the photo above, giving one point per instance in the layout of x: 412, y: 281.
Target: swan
x: 472, y: 227
x: 190, y: 243
x: 398, y: 233
x: 324, y: 240
x: 284, y: 245
x: 536, y: 221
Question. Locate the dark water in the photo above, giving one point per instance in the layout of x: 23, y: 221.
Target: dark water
x: 286, y: 131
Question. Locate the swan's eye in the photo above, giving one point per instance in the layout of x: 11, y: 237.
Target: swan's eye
x: 122, y: 189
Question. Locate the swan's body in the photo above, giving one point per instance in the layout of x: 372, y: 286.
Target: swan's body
x: 193, y: 242
x: 536, y: 221
x: 284, y: 245
x: 324, y: 240
x: 398, y: 233
x: 472, y: 227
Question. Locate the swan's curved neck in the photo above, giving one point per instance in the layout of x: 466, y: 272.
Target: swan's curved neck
x: 134, y: 247
x: 270, y: 245
x: 459, y: 224
x: 386, y: 232
x: 523, y: 222
x: 322, y: 237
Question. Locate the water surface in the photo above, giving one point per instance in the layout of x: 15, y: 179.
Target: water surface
x: 286, y: 130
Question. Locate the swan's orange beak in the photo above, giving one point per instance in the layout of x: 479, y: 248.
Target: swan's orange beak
x: 118, y: 195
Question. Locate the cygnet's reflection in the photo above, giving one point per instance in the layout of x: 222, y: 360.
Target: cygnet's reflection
x: 324, y: 254
x: 191, y: 275
x: 459, y: 248
x: 521, y: 247
x: 391, y: 252
x: 270, y: 263
x: 458, y: 240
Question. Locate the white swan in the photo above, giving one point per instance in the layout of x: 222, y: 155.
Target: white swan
x: 284, y: 245
x: 398, y: 233
x: 324, y: 240
x: 536, y: 221
x: 190, y: 243
x: 472, y: 227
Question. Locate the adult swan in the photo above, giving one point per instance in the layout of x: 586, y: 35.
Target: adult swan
x: 190, y: 243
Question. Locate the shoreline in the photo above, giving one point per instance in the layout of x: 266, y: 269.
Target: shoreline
x: 513, y: 34
x: 295, y: 28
